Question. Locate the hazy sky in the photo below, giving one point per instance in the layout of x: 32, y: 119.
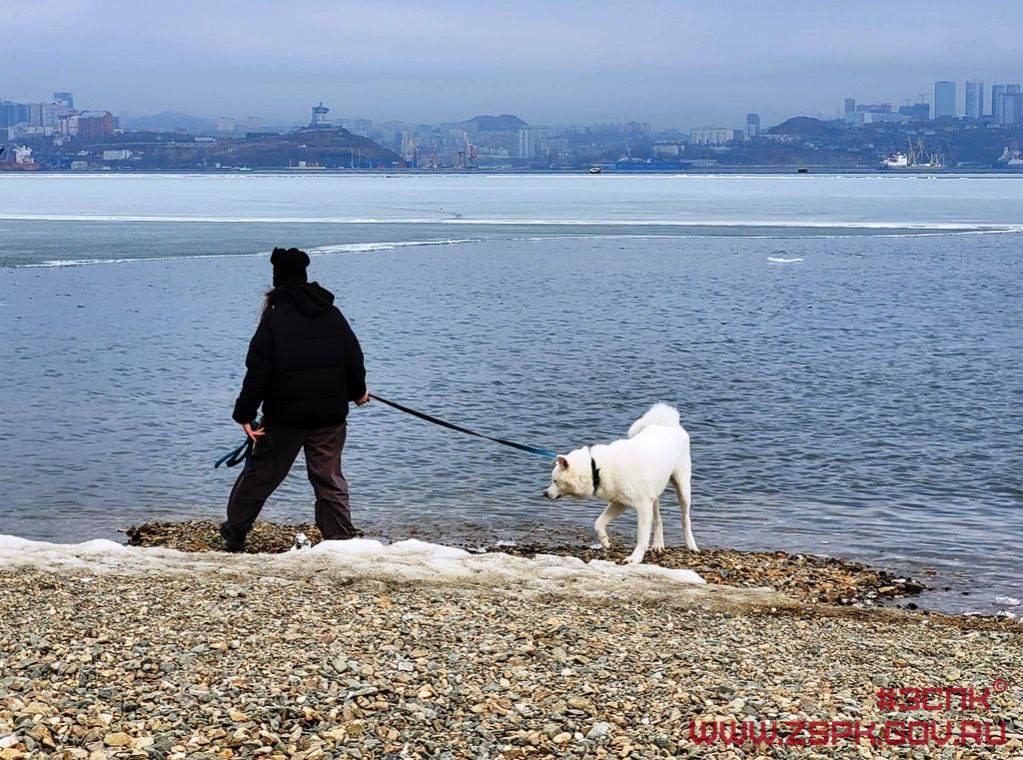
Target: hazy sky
x: 672, y: 63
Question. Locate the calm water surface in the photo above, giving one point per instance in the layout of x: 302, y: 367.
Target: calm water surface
x: 847, y: 353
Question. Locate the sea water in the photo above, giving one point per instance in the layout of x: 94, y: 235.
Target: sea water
x: 846, y: 352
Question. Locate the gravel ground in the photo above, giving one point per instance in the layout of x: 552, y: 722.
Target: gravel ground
x: 236, y: 658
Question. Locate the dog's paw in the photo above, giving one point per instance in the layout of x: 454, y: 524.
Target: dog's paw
x: 657, y: 548
x: 632, y: 559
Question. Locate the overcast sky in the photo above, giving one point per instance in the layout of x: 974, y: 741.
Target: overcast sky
x: 680, y: 63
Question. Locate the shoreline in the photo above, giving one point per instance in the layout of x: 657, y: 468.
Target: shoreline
x: 767, y: 170
x: 415, y: 650
x: 806, y: 577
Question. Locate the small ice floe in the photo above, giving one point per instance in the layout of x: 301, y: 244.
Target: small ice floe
x: 1007, y: 601
x: 781, y: 260
x: 301, y: 542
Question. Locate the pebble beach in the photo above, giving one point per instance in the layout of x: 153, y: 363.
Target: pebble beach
x: 111, y: 652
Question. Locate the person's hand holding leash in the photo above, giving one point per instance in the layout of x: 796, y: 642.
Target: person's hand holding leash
x: 254, y: 435
x: 364, y: 400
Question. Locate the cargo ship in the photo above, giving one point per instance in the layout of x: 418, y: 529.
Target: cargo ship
x: 19, y: 161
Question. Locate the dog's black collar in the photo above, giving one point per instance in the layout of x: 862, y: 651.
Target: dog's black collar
x: 594, y: 471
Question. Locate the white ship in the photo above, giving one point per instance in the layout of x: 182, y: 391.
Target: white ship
x: 895, y: 161
x: 20, y: 160
x: 916, y: 157
x: 1011, y: 157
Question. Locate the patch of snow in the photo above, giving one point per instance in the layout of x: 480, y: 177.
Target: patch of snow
x: 410, y: 561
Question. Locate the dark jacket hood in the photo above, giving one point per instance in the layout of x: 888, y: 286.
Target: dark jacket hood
x: 304, y: 363
x: 309, y: 298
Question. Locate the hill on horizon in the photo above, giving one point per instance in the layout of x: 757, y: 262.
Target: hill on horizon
x: 806, y: 126
x: 168, y: 121
x: 506, y: 122
x: 333, y: 147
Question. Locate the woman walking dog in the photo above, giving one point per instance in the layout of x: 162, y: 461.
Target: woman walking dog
x: 304, y: 366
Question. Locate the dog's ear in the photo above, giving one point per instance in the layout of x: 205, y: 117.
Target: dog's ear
x: 561, y: 462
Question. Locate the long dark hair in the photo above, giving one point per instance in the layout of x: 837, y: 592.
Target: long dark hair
x: 267, y: 305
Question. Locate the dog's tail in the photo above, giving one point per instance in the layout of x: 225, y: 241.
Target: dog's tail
x: 659, y: 414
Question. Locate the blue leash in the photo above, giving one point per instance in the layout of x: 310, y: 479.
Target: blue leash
x: 242, y: 452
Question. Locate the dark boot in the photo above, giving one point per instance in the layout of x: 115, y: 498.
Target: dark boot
x: 232, y: 542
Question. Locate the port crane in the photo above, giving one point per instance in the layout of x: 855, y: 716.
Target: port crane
x: 920, y: 156
x: 409, y: 150
x: 466, y: 159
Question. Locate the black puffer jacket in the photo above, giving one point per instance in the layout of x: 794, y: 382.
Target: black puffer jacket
x: 304, y: 362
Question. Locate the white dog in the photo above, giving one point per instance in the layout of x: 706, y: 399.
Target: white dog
x: 632, y: 472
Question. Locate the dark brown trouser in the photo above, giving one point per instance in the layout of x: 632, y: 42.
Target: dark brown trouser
x: 270, y: 463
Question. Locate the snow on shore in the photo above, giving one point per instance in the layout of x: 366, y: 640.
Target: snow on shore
x: 409, y: 561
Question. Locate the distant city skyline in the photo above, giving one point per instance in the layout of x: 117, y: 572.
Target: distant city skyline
x: 948, y: 100
x: 686, y: 65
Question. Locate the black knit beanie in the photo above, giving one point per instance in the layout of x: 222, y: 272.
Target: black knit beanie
x: 289, y: 266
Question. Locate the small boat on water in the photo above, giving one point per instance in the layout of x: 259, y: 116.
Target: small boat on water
x: 595, y: 170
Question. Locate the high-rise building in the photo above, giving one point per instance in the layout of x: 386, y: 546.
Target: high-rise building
x: 752, y: 125
x: 715, y: 136
x: 528, y: 144
x: 12, y: 113
x: 944, y: 99
x: 1009, y: 108
x: 94, y: 125
x: 360, y: 127
x: 1012, y: 109
x: 65, y: 99
x: 998, y: 91
x: 916, y: 111
x: 850, y: 105
x: 974, y: 99
x: 226, y: 124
